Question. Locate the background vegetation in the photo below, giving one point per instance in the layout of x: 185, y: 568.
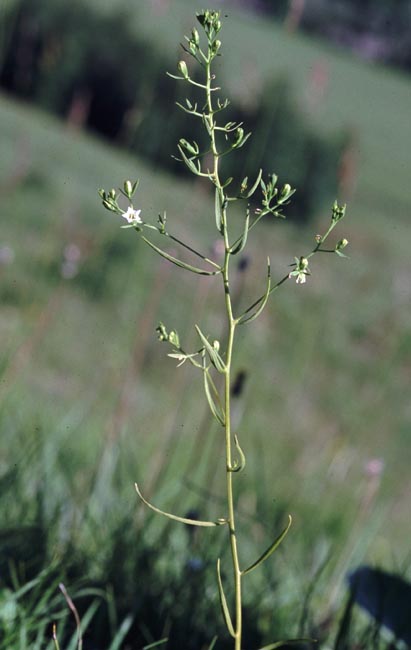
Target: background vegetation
x: 88, y: 403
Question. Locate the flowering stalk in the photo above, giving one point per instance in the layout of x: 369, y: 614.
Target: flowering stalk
x: 209, y: 359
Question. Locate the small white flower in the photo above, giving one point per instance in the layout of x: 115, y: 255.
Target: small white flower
x: 301, y: 270
x: 301, y: 278
x: 132, y: 216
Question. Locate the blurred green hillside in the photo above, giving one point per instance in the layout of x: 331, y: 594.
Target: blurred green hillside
x: 89, y: 403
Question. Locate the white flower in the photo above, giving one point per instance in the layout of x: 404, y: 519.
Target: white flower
x: 301, y: 270
x: 301, y: 278
x: 132, y: 216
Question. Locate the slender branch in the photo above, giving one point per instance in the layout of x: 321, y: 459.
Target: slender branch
x: 192, y: 250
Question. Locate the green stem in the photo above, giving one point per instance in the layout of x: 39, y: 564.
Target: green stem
x: 229, y: 351
x: 229, y: 473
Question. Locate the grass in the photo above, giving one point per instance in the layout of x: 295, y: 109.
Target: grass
x: 88, y: 403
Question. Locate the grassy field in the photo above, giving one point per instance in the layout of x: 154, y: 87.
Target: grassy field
x: 89, y: 403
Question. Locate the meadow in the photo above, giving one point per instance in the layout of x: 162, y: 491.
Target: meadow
x: 89, y: 403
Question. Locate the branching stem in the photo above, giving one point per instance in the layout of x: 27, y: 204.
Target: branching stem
x: 231, y: 324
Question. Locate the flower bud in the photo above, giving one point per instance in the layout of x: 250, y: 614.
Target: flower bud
x: 128, y: 188
x: 216, y: 345
x: 273, y: 179
x: 174, y: 339
x: 102, y: 194
x: 216, y: 46
x: 338, y: 211
x: 195, y: 36
x: 244, y: 185
x: 182, y: 68
x: 162, y: 332
x: 188, y: 146
x: 341, y: 244
x: 112, y: 193
x: 108, y: 205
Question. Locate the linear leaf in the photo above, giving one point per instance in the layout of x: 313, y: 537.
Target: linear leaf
x: 183, y: 520
x: 217, y: 208
x: 177, y: 262
x: 270, y: 549
x: 264, y: 299
x: 215, y: 358
x: 238, y: 465
x: 241, y: 242
x: 188, y: 162
x: 280, y: 644
x: 121, y: 633
x: 213, y: 642
x: 223, y: 602
x: 254, y: 187
x: 155, y: 644
x: 215, y: 409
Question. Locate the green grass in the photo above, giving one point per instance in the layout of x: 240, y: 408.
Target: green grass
x: 89, y: 403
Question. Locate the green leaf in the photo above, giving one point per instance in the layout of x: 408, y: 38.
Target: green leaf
x: 247, y: 319
x: 121, y: 633
x: 217, y: 208
x: 280, y: 644
x: 242, y: 141
x: 213, y: 642
x: 270, y: 549
x: 227, y: 182
x: 223, y: 602
x: 216, y: 410
x: 189, y: 163
x: 241, y: 242
x: 340, y: 254
x: 254, y: 187
x: 177, y: 262
x: 155, y: 644
x: 215, y: 357
x: 183, y: 520
x: 238, y: 465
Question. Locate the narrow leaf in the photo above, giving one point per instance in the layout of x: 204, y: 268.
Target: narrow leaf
x: 189, y: 163
x: 340, y: 254
x: 243, y: 141
x: 280, y: 644
x: 155, y: 644
x: 177, y: 262
x: 254, y: 187
x: 228, y: 182
x: 223, y: 602
x: 240, y: 244
x: 213, y: 642
x: 215, y: 358
x: 191, y: 111
x: 270, y: 549
x: 215, y: 410
x: 174, y: 76
x: 121, y: 633
x: 217, y: 207
x: 248, y: 319
x: 238, y: 465
x: 183, y: 520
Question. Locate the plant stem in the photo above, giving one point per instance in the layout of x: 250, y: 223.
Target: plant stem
x: 229, y: 351
x: 229, y: 473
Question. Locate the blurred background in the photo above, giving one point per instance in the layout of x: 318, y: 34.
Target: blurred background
x: 89, y: 403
